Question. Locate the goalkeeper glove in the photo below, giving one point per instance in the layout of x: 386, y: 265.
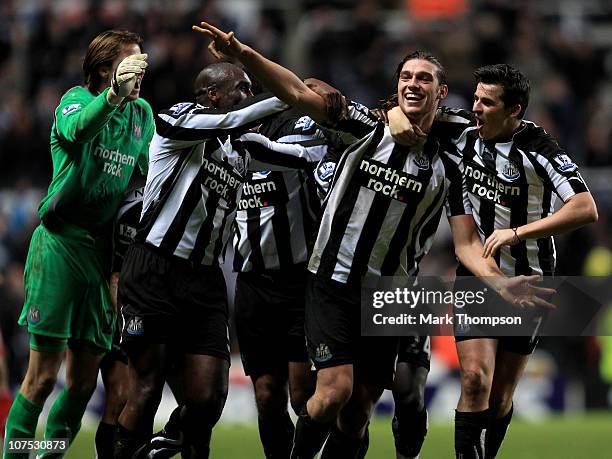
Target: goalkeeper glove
x: 126, y: 74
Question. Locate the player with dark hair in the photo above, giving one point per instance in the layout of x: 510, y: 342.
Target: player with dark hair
x: 516, y: 228
x: 379, y: 219
x: 100, y: 135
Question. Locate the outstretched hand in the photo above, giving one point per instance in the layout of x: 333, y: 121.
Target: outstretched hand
x: 520, y: 292
x: 223, y: 44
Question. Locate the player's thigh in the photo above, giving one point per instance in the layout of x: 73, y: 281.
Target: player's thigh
x: 205, y: 378
x: 54, y: 284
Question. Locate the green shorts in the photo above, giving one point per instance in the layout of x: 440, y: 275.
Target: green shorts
x: 66, y: 288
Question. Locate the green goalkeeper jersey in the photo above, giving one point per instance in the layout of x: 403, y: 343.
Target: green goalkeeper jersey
x: 95, y: 147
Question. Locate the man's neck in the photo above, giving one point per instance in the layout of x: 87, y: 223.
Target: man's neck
x: 423, y: 122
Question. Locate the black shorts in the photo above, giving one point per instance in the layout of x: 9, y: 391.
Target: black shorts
x: 523, y: 345
x: 269, y: 312
x: 169, y: 300
x: 333, y: 333
x: 415, y: 350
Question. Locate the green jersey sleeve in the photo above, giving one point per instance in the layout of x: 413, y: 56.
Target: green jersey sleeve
x: 79, y: 117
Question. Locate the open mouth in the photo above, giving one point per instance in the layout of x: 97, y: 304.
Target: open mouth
x: 412, y: 97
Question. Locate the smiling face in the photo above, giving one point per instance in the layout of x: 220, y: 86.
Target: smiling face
x: 493, y: 119
x: 418, y: 89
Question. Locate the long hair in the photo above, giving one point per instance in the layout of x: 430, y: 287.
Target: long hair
x: 103, y: 50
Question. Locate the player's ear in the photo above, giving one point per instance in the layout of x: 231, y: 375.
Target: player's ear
x: 442, y: 92
x: 213, y: 94
x: 515, y: 110
x: 105, y: 72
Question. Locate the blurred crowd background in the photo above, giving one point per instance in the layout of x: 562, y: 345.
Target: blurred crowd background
x: 564, y: 46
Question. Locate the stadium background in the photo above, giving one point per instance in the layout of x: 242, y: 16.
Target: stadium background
x: 564, y: 46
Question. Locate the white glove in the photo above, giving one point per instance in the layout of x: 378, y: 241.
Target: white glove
x: 126, y: 73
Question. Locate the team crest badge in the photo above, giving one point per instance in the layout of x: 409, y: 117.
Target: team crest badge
x: 33, y: 315
x: 137, y: 131
x: 135, y: 326
x: 323, y: 354
x: 511, y: 171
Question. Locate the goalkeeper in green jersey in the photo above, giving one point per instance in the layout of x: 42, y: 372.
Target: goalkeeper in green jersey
x: 101, y: 133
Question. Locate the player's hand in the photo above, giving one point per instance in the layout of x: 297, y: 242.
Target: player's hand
x: 498, y: 238
x: 127, y: 73
x: 520, y: 292
x: 403, y: 131
x: 223, y: 44
x: 335, y: 103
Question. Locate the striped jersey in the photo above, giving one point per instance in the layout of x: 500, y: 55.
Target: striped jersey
x: 385, y: 201
x: 514, y: 183
x: 198, y: 161
x: 277, y: 212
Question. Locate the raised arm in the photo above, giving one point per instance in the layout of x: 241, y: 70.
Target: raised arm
x: 280, y: 81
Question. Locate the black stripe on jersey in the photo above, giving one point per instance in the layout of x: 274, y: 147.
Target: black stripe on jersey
x: 546, y: 250
x: 455, y: 196
x: 205, y: 231
x: 518, y: 214
x: 433, y: 224
x: 263, y: 154
x: 282, y: 230
x: 254, y: 236
x: 546, y: 256
x: 174, y: 233
x: 376, y: 218
x: 344, y: 212
x: 308, y: 196
x: 219, y: 242
x: 151, y: 214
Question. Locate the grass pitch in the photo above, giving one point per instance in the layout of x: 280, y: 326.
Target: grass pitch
x: 557, y: 437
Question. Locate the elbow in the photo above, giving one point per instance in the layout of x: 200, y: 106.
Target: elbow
x: 592, y: 215
x: 590, y: 212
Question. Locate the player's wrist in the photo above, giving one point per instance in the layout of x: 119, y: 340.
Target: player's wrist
x: 113, y: 99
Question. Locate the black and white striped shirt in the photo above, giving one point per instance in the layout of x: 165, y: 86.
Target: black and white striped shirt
x: 386, y: 200
x: 514, y: 183
x: 196, y: 169
x: 277, y: 213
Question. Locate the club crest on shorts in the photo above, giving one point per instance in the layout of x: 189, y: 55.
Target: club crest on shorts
x: 33, y: 315
x: 323, y: 354
x: 135, y: 326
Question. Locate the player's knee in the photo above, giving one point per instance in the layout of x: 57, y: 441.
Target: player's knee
x: 474, y: 383
x: 39, y: 387
x: 81, y: 388
x: 270, y: 399
x: 500, y: 404
x: 409, y: 401
x: 333, y: 397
